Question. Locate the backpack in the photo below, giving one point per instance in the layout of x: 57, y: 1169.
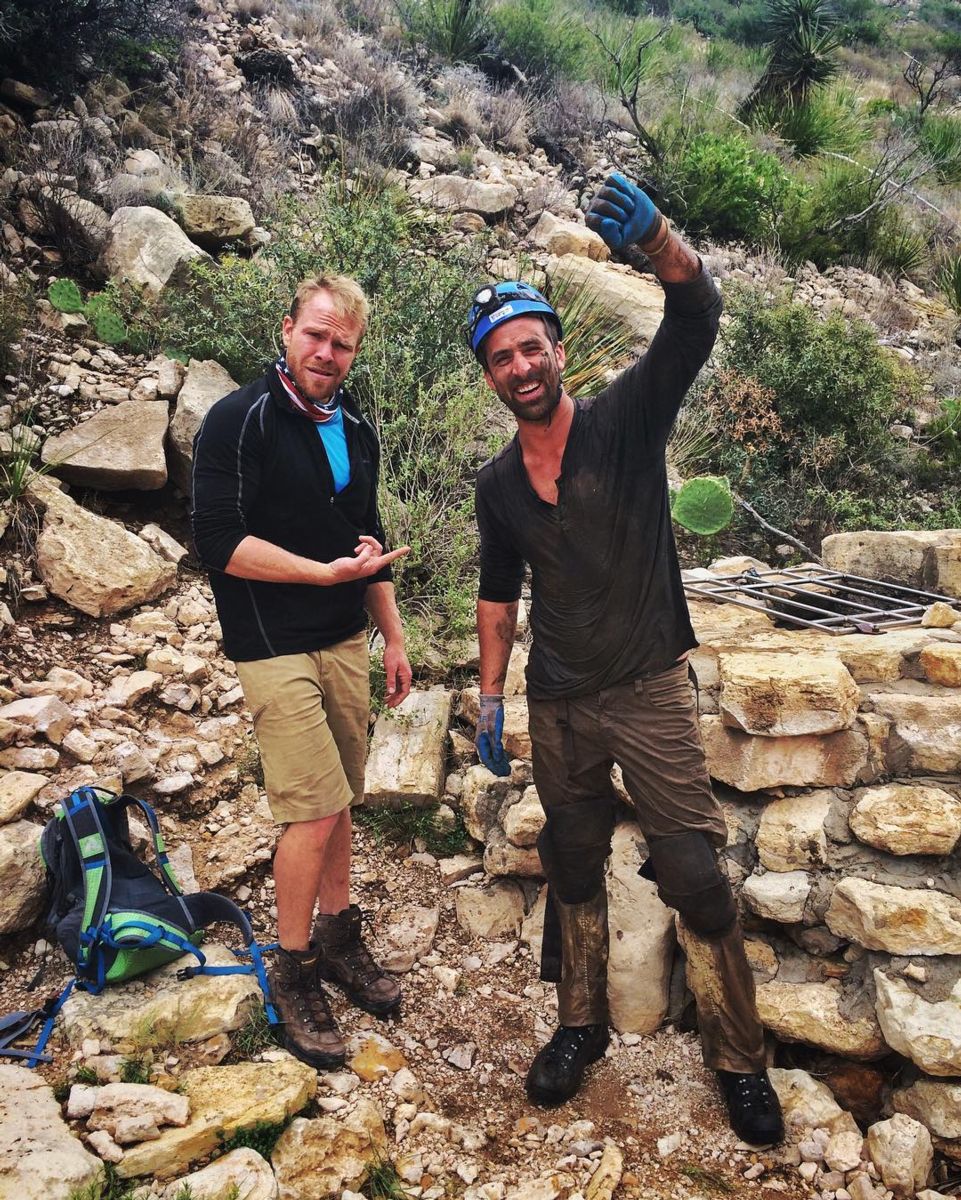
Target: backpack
x: 114, y: 917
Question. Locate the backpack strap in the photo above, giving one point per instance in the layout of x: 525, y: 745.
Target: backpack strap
x: 164, y: 869
x: 18, y: 1024
x: 81, y: 813
x: 209, y: 907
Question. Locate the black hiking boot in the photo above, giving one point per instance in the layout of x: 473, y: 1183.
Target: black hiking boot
x: 753, y: 1107
x: 310, y: 1032
x: 347, y: 963
x: 558, y: 1070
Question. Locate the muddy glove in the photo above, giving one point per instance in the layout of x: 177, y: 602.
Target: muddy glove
x: 489, y: 733
x: 621, y: 213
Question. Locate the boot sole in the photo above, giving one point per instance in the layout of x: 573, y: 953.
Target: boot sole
x: 315, y: 1058
x: 375, y: 1009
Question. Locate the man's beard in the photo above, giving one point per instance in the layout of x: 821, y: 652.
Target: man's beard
x: 543, y: 410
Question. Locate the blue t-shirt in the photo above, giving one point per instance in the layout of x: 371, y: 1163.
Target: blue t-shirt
x: 335, y: 443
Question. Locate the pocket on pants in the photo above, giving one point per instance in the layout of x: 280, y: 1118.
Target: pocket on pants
x: 669, y: 689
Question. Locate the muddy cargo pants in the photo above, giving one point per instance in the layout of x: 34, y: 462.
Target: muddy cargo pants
x: 649, y: 727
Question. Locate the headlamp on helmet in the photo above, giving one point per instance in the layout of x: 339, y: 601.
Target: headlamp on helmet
x: 495, y: 303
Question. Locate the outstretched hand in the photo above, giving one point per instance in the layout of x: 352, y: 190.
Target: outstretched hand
x: 622, y: 213
x: 369, y: 558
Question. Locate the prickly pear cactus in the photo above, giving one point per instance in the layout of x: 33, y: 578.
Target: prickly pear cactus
x: 110, y: 328
x: 703, y: 505
x: 65, y: 296
x: 95, y: 304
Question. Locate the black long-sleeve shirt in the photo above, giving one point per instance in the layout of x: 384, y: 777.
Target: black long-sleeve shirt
x: 260, y: 469
x: 607, y: 601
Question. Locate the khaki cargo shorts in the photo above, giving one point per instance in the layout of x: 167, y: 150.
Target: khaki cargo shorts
x: 310, y: 716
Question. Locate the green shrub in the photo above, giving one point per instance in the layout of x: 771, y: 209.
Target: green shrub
x: 544, y: 38
x: 262, y: 1136
x: 745, y: 23
x: 829, y: 121
x: 940, y: 137
x: 454, y: 29
x: 719, y: 183
x: 801, y: 410
x: 948, y: 278
x: 944, y: 432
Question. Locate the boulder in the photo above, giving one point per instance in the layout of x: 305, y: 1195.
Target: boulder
x: 641, y: 940
x: 778, y: 895
x: 636, y: 299
x: 221, y: 1100
x: 405, y: 933
x: 117, y: 449
x: 480, y: 801
x: 458, y: 194
x: 927, y: 1033
x: 925, y: 731
x: 895, y: 919
x: 791, y: 835
x: 40, y: 715
x: 40, y: 1158
x: 786, y: 695
x: 148, y: 250
x: 751, y: 763
x: 94, y: 564
x: 490, y: 912
x: 22, y: 880
x: 213, y: 221
x: 408, y: 751
x: 241, y: 1173
x: 559, y: 237
x: 158, y: 1005
x: 808, y: 1104
x: 935, y: 1104
x: 941, y: 663
x: 525, y: 819
x: 204, y: 384
x: 18, y: 790
x: 319, y: 1158
x: 925, y: 559
x: 901, y: 1150
x: 501, y: 857
x: 907, y: 819
x: 813, y: 1013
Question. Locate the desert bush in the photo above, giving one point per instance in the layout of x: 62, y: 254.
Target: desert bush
x: 829, y: 121
x: 545, y: 39
x: 565, y: 117
x: 720, y: 183
x: 472, y: 107
x: 802, y: 410
x: 374, y: 117
x: 52, y: 42
x: 948, y: 278
x: 313, y: 21
x: 940, y: 138
x: 745, y: 23
x: 456, y: 30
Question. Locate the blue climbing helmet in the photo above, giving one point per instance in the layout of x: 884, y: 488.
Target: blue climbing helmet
x: 497, y: 302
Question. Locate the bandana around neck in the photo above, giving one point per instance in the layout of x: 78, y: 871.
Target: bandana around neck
x: 318, y: 412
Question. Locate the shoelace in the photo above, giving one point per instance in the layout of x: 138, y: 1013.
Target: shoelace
x: 752, y: 1089
x: 313, y: 1006
x: 566, y: 1043
x: 360, y: 960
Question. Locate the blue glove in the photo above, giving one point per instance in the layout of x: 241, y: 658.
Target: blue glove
x: 488, y: 736
x: 621, y: 213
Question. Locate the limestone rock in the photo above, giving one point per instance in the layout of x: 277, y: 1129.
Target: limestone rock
x: 636, y: 299
x: 608, y: 1174
x: 501, y: 857
x: 118, y: 1102
x: 935, y: 1104
x: 907, y: 819
x: 778, y: 895
x: 315, y: 1159
x: 188, y: 1010
x: 406, y: 933
x: 751, y: 763
x: 641, y: 940
x: 146, y: 249
x: 222, y: 1099
x: 376, y: 1058
x: 811, y: 1013
x: 481, y: 799
x: 786, y: 695
x: 118, y: 448
x: 22, y: 886
x: 407, y: 759
x: 40, y: 1159
x: 901, y: 1150
x: 213, y: 221
x: 204, y: 384
x: 525, y: 819
x: 940, y: 616
x: 458, y: 194
x: 941, y: 662
x: 240, y: 1173
x: 927, y: 1033
x: 47, y: 715
x: 559, y: 236
x: 490, y: 912
x: 897, y: 920
x: 18, y: 790
x: 791, y: 834
x: 517, y: 741
x: 919, y: 559
x: 808, y: 1104
x: 926, y: 730
x: 127, y: 690
x: 94, y: 564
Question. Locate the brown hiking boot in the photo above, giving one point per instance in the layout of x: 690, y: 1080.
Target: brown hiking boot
x: 346, y: 961
x: 310, y: 1031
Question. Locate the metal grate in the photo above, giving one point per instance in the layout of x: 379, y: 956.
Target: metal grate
x: 819, y: 598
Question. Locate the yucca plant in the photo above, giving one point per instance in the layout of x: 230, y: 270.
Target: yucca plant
x: 455, y: 29
x: 803, y: 41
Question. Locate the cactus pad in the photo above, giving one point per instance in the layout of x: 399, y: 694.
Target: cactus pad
x: 65, y: 296
x: 704, y: 505
x: 110, y: 328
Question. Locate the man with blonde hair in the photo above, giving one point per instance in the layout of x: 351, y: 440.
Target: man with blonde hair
x: 285, y: 519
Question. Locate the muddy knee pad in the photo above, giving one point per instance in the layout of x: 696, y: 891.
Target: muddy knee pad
x: 689, y: 880
x: 574, y: 845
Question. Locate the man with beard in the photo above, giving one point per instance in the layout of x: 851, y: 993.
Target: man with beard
x: 285, y: 519
x: 580, y: 495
